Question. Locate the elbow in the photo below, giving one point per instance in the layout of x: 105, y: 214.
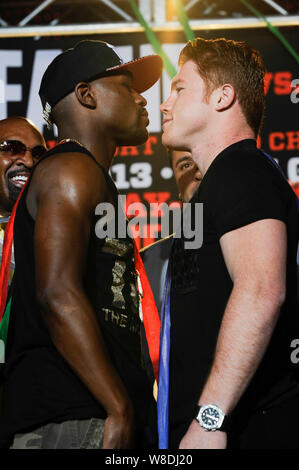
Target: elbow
x: 50, y: 299
x: 264, y: 295
x: 58, y: 300
x: 56, y: 306
x: 273, y: 298
x: 276, y: 295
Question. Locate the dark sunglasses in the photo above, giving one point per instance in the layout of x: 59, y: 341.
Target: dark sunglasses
x: 12, y: 148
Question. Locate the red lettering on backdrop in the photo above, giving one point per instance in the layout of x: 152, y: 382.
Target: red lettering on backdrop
x: 149, y: 232
x: 152, y: 140
x: 128, y: 152
x: 156, y: 198
x: 295, y: 187
x: 293, y: 140
x: 131, y: 151
x: 284, y: 141
x: 259, y: 141
x: 267, y: 81
x: 276, y: 141
x: 133, y: 198
x: 282, y: 83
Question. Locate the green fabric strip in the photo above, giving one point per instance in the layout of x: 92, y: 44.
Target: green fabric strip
x: 184, y: 20
x: 273, y: 29
x: 5, y: 322
x: 169, y: 67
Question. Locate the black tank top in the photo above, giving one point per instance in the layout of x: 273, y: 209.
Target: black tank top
x: 40, y: 387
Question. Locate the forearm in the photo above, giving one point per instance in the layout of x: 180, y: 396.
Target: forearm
x: 248, y: 322
x: 77, y: 336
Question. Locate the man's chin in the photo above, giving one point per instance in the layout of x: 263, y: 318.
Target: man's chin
x: 13, y: 193
x: 137, y: 139
x: 165, y: 140
x: 171, y: 143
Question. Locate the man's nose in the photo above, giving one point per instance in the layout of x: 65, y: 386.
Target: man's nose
x: 198, y: 175
x: 165, y: 106
x: 140, y: 99
x: 26, y: 159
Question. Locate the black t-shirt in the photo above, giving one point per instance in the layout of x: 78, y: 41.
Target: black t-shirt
x: 240, y: 187
x: 40, y: 387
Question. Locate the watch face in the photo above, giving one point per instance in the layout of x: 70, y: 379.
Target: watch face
x: 210, y: 417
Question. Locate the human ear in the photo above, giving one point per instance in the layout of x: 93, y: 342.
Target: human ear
x: 225, y: 97
x: 85, y: 95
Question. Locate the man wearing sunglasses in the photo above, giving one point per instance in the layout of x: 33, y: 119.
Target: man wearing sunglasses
x: 21, y: 146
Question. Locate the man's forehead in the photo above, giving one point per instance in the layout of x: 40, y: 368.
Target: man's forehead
x: 14, y: 128
x: 179, y: 77
x: 14, y: 123
x: 185, y: 73
x: 10, y: 128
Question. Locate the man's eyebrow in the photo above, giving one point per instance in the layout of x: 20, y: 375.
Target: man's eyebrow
x: 175, y: 82
x: 183, y: 159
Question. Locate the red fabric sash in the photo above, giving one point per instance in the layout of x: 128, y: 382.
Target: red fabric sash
x: 151, y: 319
x: 6, y: 256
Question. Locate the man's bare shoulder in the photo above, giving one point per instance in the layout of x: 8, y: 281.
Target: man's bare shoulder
x: 69, y: 167
x: 71, y: 176
x: 69, y: 163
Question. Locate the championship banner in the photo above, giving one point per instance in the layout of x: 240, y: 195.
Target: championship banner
x: 143, y: 173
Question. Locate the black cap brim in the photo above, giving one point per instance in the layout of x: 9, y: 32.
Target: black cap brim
x: 146, y: 71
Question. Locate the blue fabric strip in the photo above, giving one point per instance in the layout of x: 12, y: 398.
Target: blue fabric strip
x: 163, y: 386
x: 274, y: 163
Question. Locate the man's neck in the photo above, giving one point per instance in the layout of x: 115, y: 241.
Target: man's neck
x: 102, y: 149
x: 204, y: 153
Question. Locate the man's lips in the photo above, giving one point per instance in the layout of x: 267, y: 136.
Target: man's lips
x: 18, y: 178
x: 145, y: 115
x: 166, y: 121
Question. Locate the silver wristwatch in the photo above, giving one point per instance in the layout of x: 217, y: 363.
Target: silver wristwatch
x: 212, y: 418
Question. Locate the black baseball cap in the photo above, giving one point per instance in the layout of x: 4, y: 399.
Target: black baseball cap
x: 88, y: 60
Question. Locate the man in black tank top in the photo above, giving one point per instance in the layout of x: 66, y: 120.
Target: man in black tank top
x: 73, y: 374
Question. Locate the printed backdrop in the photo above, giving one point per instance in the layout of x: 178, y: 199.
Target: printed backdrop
x: 143, y: 173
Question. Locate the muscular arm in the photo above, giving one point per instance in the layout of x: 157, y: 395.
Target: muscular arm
x: 255, y: 256
x: 62, y: 199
